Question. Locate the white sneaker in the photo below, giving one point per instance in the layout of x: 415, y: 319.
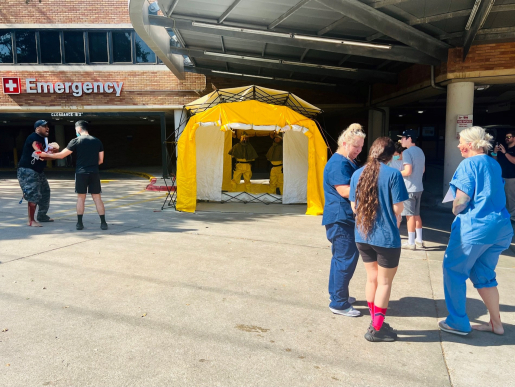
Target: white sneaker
x: 407, y: 246
x: 349, y: 312
x: 420, y: 244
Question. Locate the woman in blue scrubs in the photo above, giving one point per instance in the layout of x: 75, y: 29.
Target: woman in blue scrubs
x: 480, y: 232
x: 338, y: 219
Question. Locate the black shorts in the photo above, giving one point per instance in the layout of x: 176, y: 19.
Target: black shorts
x: 87, y: 183
x: 384, y: 256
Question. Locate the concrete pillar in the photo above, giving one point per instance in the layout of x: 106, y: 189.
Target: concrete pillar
x: 60, y: 139
x: 375, y: 124
x: 460, y: 101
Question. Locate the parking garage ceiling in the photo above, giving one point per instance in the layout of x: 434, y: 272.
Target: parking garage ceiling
x: 328, y: 42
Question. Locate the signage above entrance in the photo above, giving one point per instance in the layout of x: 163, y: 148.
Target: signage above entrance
x: 12, y: 85
x: 66, y: 114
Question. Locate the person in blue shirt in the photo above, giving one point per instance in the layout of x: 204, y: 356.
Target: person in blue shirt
x: 377, y: 193
x: 479, y: 233
x: 338, y: 219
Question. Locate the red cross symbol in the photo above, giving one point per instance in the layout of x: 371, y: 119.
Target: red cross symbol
x: 11, y: 85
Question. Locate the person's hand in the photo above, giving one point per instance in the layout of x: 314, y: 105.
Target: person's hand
x: 43, y: 156
x: 496, y: 149
x: 501, y: 148
x: 54, y: 145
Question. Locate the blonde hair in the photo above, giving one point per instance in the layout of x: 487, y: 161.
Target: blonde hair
x: 352, y: 132
x: 478, y: 137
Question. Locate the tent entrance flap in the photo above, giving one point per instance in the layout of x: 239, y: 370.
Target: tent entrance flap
x: 295, y: 167
x: 210, y: 160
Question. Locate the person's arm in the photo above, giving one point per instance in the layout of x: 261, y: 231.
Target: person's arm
x: 510, y: 158
x: 353, y: 206
x: 100, y: 157
x: 343, y: 190
x: 460, y: 203
x: 408, y: 169
x: 56, y: 156
x: 398, y: 208
x: 35, y: 146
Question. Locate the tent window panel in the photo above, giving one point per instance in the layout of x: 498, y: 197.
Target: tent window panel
x: 209, y: 142
x: 295, y: 167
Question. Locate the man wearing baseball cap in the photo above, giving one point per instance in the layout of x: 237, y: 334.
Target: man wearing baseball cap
x: 414, y: 163
x: 31, y: 177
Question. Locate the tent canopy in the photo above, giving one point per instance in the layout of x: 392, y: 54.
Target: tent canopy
x: 203, y: 164
x: 256, y: 93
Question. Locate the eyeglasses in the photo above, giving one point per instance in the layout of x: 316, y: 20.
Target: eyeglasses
x: 508, y: 137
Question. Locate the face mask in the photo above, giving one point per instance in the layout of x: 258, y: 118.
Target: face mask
x: 396, y: 157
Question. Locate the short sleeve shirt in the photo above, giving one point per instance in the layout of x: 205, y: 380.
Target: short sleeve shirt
x: 337, y: 171
x: 391, y: 190
x: 508, y: 169
x: 415, y: 157
x: 87, y: 149
x: 485, y: 220
x: 26, y: 155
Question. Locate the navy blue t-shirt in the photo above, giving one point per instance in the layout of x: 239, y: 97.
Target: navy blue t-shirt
x: 337, y: 171
x: 391, y: 190
x: 26, y: 155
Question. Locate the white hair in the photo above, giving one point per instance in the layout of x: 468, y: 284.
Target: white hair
x: 478, y: 137
x: 352, y: 132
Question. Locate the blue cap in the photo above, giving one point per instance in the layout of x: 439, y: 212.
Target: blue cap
x: 39, y: 123
x: 409, y: 133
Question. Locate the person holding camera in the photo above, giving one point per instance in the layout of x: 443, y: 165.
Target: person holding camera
x: 506, y: 158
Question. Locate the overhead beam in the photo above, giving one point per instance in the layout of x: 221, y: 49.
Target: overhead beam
x: 258, y: 79
x: 167, y: 6
x: 331, y: 26
x: 286, y: 65
x: 386, y: 3
x: 396, y: 53
x: 228, y: 11
x: 482, y: 13
x: 287, y: 14
x: 389, y: 26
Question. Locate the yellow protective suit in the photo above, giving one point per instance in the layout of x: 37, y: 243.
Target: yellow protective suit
x: 276, y: 177
x: 242, y: 169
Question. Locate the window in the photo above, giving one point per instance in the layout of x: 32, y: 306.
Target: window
x: 122, y: 47
x: 26, y: 47
x: 143, y: 53
x: 50, y: 46
x: 6, y: 47
x: 97, y: 42
x: 74, y: 47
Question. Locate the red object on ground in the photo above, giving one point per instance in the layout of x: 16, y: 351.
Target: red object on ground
x: 152, y: 187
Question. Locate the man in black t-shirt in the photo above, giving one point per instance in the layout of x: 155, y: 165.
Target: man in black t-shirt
x: 90, y: 154
x: 33, y: 182
x: 506, y: 159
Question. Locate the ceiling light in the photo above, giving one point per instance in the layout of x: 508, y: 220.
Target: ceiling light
x: 339, y: 41
x: 302, y: 81
x: 318, y: 66
x: 420, y: 111
x: 401, y: 115
x: 237, y: 29
x: 241, y: 57
x: 472, y: 14
x: 240, y: 75
x: 481, y: 87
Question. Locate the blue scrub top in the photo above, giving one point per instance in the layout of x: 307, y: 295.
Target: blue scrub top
x: 337, y: 171
x: 391, y: 190
x: 485, y: 220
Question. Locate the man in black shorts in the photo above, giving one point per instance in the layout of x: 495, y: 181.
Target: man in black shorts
x: 90, y: 154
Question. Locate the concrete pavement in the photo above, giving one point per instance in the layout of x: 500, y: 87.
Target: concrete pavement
x: 233, y: 298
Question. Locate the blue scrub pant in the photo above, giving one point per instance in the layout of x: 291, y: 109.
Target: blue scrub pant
x: 462, y: 261
x: 343, y: 263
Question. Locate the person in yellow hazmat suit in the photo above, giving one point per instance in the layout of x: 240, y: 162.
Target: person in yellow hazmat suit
x: 275, y: 156
x: 244, y: 153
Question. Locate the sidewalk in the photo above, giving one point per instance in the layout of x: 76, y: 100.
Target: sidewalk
x: 222, y: 299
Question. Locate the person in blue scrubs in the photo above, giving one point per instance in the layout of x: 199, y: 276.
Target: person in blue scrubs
x: 338, y: 219
x: 480, y: 232
x: 377, y: 193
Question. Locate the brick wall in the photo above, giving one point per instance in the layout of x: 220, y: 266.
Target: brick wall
x: 59, y: 11
x: 139, y: 88
x: 499, y: 56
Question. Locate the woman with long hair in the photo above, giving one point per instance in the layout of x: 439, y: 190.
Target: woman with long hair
x: 338, y: 219
x: 480, y: 232
x: 376, y: 194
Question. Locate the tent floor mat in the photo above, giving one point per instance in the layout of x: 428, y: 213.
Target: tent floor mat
x: 254, y: 208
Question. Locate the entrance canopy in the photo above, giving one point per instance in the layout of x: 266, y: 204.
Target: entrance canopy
x: 204, y: 165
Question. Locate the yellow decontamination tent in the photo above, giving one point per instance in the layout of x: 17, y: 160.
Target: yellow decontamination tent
x: 204, y: 166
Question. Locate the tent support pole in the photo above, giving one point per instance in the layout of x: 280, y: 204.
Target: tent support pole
x: 163, y: 145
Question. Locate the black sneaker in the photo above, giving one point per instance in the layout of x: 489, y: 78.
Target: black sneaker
x: 79, y: 226
x: 389, y: 329
x: 103, y: 226
x: 383, y: 335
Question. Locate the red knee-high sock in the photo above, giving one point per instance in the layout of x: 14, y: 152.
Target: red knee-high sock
x: 371, y: 309
x: 32, y: 211
x: 379, y: 315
